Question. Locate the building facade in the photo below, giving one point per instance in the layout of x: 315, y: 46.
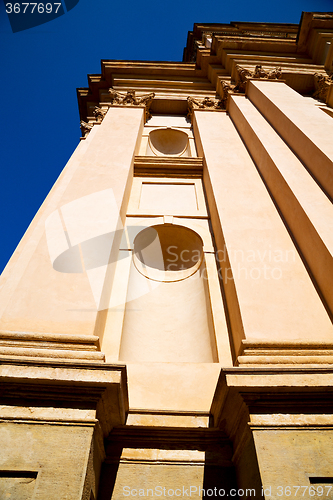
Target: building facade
x: 166, y: 320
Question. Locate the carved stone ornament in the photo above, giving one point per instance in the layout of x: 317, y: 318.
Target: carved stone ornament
x: 99, y: 113
x: 243, y: 75
x: 85, y: 128
x: 130, y: 99
x: 208, y: 102
x: 120, y: 99
x: 227, y: 89
x: 322, y: 84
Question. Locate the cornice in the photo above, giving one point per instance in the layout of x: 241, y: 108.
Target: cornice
x: 96, y: 386
x: 295, y: 49
x: 148, y: 166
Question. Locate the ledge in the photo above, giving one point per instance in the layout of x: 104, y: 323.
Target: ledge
x: 164, y: 166
x: 80, y: 386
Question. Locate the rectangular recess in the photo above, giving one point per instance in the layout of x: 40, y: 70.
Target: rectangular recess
x: 321, y: 480
x: 155, y: 196
x: 168, y: 196
x: 17, y: 484
x: 18, y: 473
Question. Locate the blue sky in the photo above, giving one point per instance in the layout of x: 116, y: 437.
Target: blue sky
x: 42, y: 67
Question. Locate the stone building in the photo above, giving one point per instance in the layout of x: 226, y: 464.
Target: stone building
x: 166, y: 319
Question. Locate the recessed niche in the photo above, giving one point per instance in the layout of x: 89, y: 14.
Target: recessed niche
x: 168, y: 197
x: 168, y: 314
x: 17, y: 485
x: 167, y: 252
x: 168, y: 142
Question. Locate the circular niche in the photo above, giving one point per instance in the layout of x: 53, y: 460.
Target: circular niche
x: 167, y: 252
x: 168, y: 142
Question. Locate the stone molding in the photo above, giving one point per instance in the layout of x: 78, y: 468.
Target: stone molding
x: 118, y: 99
x: 191, y: 442
x: 285, y: 353
x: 248, y: 399
x: 94, y: 392
x: 259, y: 73
x: 271, y: 390
x: 243, y: 76
x: 155, y: 166
x: 50, y: 346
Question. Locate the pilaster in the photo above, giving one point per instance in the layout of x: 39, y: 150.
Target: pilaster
x: 286, y: 416
x: 54, y: 418
x: 304, y: 206
x: 73, y: 242
x: 304, y: 127
x: 269, y: 294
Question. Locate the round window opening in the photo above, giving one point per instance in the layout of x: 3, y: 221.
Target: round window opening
x: 167, y: 252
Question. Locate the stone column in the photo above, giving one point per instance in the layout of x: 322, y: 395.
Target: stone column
x: 54, y: 419
x: 281, y: 427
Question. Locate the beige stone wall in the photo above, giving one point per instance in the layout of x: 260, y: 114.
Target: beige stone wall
x: 253, y: 182
x: 54, y: 283
x: 58, y: 454
x: 295, y: 463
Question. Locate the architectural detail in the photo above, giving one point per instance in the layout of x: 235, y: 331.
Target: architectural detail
x: 130, y: 99
x: 119, y: 99
x: 166, y: 321
x: 227, y: 90
x: 243, y: 75
x: 85, y: 128
x: 207, y: 104
x: 322, y: 84
x: 99, y: 113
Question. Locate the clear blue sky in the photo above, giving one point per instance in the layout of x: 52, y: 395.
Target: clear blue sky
x: 42, y: 67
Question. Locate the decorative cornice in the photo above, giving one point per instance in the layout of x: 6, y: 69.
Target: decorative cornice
x: 243, y: 75
x: 118, y: 99
x: 130, y: 99
x: 99, y: 387
x: 207, y: 103
x: 295, y: 396
x: 322, y: 85
x: 85, y: 128
x: 162, y: 166
x: 99, y: 113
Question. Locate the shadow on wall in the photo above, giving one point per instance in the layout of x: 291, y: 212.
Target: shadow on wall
x: 167, y: 464
x: 168, y: 142
x: 170, y: 322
